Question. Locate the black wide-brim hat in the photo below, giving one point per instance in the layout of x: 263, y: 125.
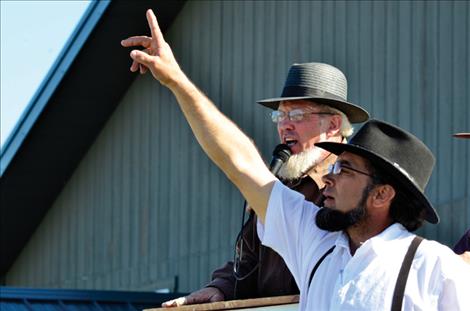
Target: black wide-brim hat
x: 397, y: 153
x: 321, y: 83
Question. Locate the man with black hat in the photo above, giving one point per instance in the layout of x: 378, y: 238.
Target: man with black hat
x: 357, y: 251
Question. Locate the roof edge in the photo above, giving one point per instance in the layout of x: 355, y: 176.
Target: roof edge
x: 46, y: 294
x: 51, y: 81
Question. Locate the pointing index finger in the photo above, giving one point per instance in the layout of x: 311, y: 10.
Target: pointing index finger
x: 154, y: 28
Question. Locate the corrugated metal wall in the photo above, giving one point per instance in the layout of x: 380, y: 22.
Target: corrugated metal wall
x: 146, y: 205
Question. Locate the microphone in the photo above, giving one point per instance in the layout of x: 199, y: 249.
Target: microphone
x: 281, y: 154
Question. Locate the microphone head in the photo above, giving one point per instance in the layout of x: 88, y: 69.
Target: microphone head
x: 283, y: 152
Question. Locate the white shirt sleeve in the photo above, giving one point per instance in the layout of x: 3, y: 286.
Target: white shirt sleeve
x: 455, y: 281
x: 289, y: 223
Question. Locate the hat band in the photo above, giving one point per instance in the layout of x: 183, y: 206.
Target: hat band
x: 301, y: 91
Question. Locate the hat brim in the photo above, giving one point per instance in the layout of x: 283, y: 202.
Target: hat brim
x: 354, y: 113
x: 462, y: 135
x: 399, y: 175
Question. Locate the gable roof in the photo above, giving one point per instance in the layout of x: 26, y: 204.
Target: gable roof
x: 66, y: 114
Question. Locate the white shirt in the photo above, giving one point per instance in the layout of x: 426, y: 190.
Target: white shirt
x: 438, y: 279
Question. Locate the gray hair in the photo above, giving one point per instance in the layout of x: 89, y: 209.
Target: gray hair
x: 346, y: 127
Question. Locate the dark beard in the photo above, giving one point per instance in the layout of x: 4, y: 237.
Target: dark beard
x: 333, y: 220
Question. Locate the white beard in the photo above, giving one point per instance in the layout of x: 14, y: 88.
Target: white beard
x: 299, y: 164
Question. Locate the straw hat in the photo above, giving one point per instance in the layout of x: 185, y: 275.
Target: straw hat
x: 321, y: 83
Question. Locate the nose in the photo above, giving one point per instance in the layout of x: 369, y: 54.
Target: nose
x: 328, y: 179
x: 285, y: 124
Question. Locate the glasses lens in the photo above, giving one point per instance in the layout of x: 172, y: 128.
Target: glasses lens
x: 278, y: 116
x: 337, y: 168
x: 296, y: 115
x: 334, y: 169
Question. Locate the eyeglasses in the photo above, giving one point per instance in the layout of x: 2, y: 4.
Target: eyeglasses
x: 337, y: 167
x: 295, y: 115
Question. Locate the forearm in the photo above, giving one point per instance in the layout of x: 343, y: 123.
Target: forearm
x: 223, y: 280
x: 225, y: 144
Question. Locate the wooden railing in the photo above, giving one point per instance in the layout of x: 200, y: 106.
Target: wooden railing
x: 268, y: 303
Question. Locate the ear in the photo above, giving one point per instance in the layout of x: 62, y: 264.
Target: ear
x: 383, y: 195
x: 334, y: 125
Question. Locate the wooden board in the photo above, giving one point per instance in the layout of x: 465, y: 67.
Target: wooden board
x: 235, y: 304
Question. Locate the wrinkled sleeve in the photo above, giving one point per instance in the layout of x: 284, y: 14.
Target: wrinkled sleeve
x: 289, y: 223
x: 224, y: 280
x: 455, y: 284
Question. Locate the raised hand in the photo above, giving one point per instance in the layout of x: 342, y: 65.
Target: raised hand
x: 204, y: 295
x: 156, y: 56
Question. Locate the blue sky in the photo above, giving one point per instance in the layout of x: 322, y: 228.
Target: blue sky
x: 32, y: 35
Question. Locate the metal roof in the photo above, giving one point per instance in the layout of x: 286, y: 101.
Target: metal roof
x: 31, y: 299
x: 66, y: 114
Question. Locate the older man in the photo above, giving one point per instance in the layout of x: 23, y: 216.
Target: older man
x: 374, y: 197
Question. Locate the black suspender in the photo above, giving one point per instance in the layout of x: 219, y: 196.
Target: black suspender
x: 318, y: 265
x: 400, y: 285
x: 399, y: 291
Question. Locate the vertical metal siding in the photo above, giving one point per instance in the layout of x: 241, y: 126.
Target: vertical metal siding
x: 146, y: 204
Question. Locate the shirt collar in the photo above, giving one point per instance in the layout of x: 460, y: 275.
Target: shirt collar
x: 342, y: 241
x: 377, y: 243
x: 381, y: 242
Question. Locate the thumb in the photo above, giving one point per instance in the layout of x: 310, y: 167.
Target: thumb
x: 141, y: 57
x: 169, y: 303
x: 174, y: 303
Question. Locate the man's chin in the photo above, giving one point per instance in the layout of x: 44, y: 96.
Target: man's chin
x: 331, y: 220
x: 328, y: 203
x: 296, y: 149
